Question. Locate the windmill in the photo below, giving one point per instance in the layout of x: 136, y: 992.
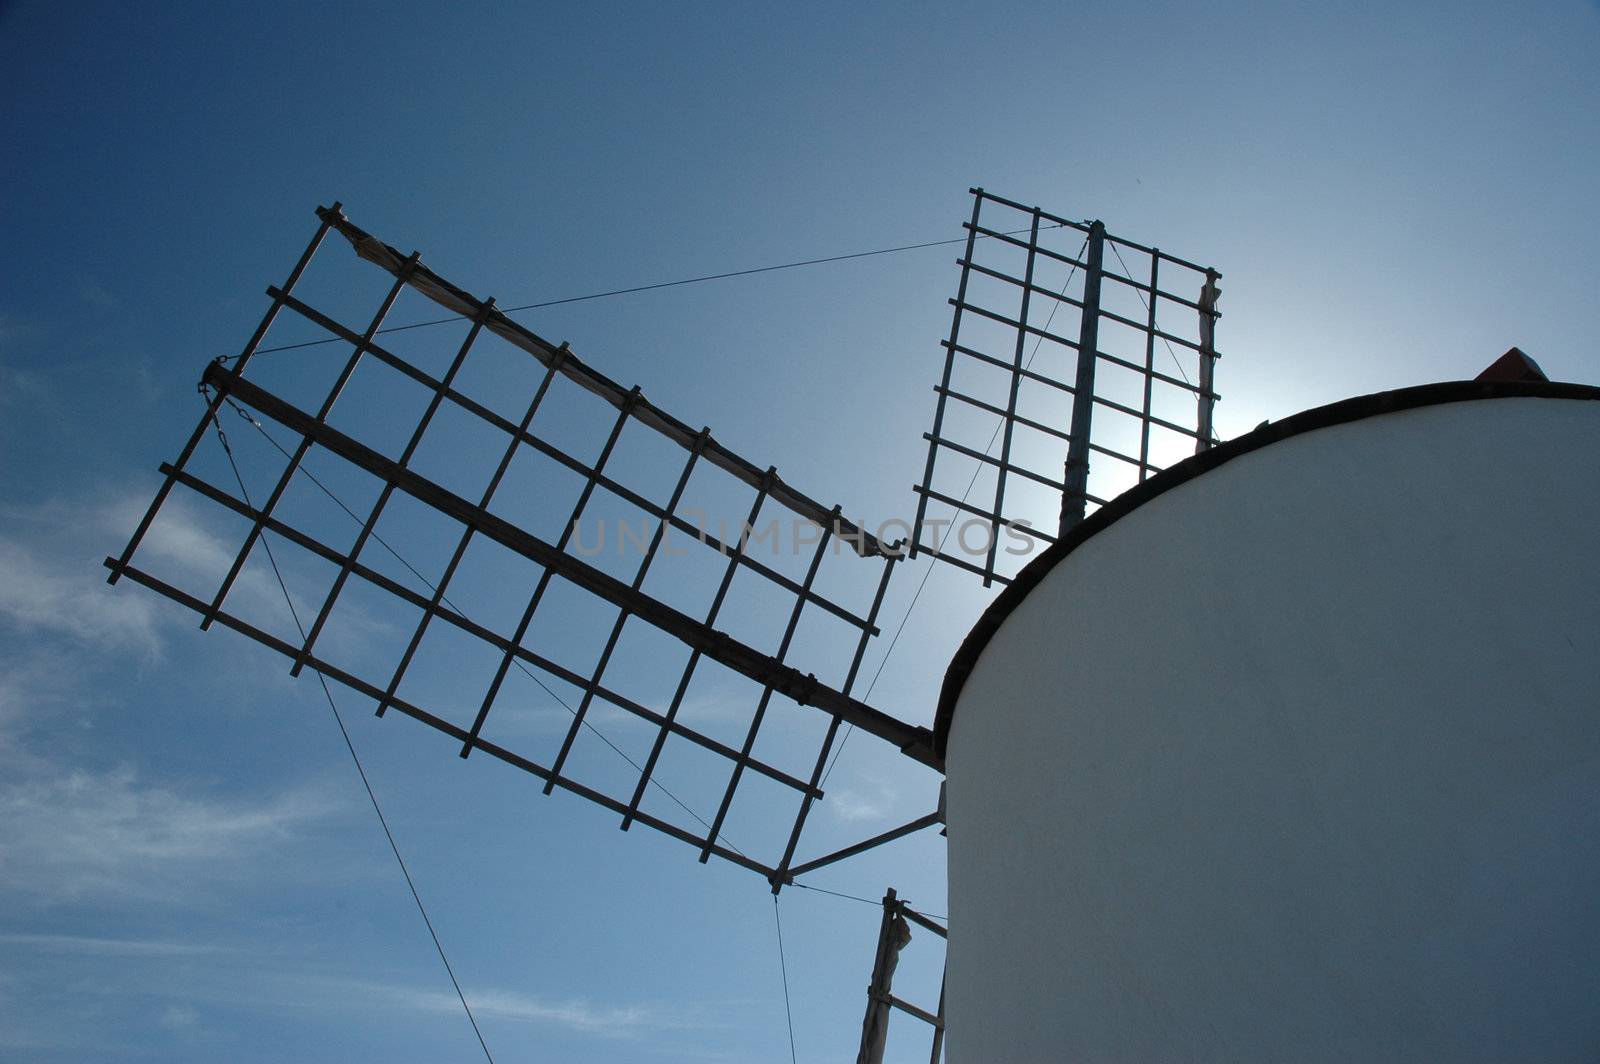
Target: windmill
x: 1069, y: 375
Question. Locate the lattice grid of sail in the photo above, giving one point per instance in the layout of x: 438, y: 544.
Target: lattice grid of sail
x: 487, y: 535
x: 1078, y: 365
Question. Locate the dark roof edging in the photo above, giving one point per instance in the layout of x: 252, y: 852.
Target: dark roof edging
x: 1339, y: 413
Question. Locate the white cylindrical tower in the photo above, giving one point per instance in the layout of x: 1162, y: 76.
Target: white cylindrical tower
x: 1293, y: 752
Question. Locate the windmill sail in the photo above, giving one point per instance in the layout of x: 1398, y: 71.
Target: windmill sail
x: 683, y: 584
x: 1075, y: 368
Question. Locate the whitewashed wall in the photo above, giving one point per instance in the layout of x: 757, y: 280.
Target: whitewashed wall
x: 1299, y: 761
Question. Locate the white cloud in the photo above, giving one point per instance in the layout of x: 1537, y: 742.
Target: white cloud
x: 176, y: 536
x: 12, y: 330
x: 52, y: 580
x: 97, y: 296
x: 70, y: 832
x: 67, y: 835
x: 179, y: 1017
x: 40, y: 593
x: 874, y: 801
x: 27, y: 684
x: 106, y: 947
x: 183, y: 548
x: 146, y: 978
x: 577, y: 1014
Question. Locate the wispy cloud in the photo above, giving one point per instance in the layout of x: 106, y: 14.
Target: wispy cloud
x: 29, y: 682
x: 138, y: 983
x: 178, y: 537
x: 179, y: 1017
x: 107, y: 947
x: 97, y: 295
x: 40, y: 594
x: 718, y: 705
x: 14, y: 329
x: 65, y: 836
x: 853, y: 805
x: 79, y: 996
x: 68, y: 831
x: 577, y: 1014
x: 51, y: 581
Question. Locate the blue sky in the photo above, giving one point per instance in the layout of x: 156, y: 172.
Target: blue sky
x: 188, y: 869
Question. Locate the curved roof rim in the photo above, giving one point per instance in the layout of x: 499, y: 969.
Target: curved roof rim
x: 1269, y: 432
